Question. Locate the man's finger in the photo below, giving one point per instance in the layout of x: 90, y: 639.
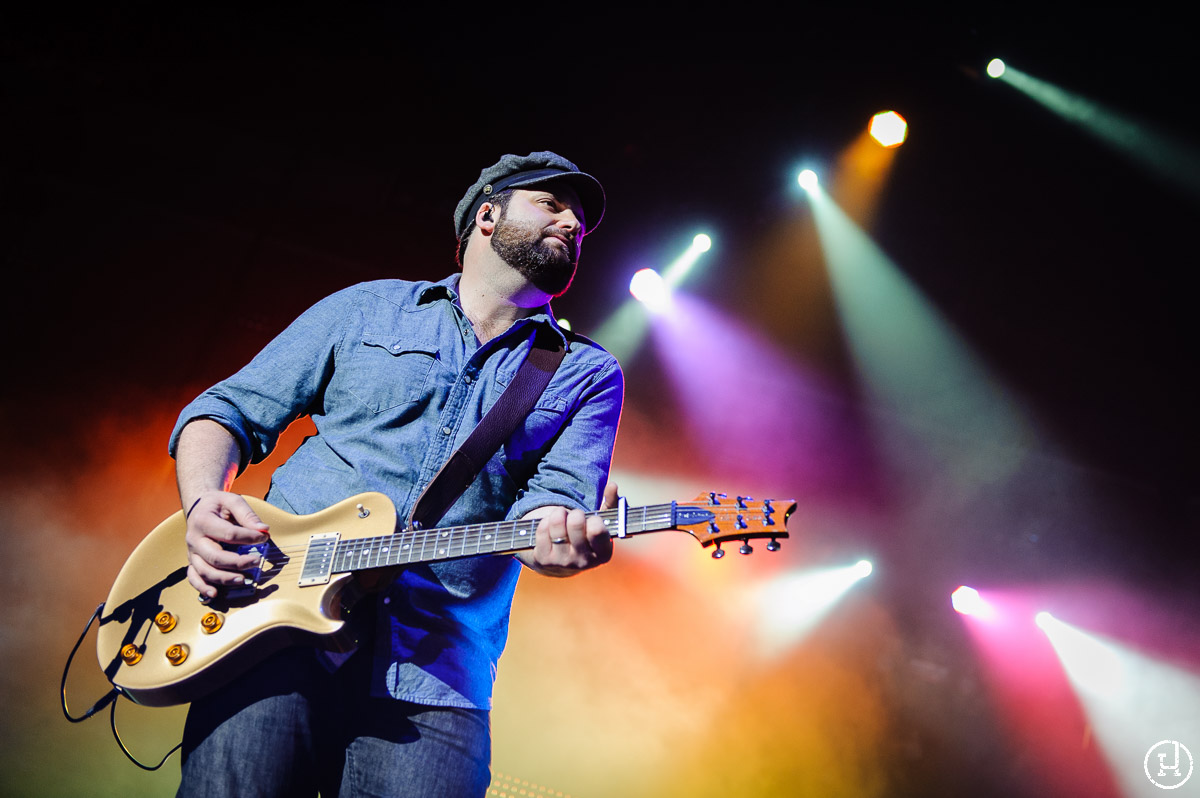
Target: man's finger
x: 610, y: 496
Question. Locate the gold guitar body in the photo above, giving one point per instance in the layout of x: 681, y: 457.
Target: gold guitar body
x: 161, y: 646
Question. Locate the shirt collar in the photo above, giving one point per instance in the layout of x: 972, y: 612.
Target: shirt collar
x: 448, y: 289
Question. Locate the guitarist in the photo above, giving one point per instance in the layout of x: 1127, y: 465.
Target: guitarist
x: 395, y: 375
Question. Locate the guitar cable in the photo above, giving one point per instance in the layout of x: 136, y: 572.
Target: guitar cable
x: 109, y: 699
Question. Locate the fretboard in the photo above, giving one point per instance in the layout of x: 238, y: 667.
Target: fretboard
x: 456, y: 542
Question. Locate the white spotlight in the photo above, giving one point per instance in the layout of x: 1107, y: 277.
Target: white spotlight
x: 647, y: 287
x: 807, y: 180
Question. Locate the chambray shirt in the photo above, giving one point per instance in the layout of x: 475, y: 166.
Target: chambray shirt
x: 395, y: 380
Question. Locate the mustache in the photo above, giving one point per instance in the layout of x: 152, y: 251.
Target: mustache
x: 568, y: 239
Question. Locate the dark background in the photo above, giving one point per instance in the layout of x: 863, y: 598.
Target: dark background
x: 164, y: 165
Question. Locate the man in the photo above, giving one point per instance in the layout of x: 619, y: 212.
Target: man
x: 395, y: 375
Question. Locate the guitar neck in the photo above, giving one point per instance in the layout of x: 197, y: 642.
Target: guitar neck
x: 501, y: 537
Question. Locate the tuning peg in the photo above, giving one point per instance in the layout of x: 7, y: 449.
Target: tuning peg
x: 712, y: 497
x: 719, y: 552
x: 741, y: 501
x: 745, y: 548
x: 774, y: 545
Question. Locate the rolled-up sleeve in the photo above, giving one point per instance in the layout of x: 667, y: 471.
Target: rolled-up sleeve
x: 284, y: 381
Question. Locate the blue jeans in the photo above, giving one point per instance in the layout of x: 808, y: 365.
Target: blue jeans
x: 289, y: 727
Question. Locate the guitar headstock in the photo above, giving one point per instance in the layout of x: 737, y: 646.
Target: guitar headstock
x: 714, y: 518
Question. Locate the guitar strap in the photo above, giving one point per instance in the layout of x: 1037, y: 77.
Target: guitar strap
x: 492, y: 431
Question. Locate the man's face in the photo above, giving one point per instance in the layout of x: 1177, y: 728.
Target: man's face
x: 539, y: 235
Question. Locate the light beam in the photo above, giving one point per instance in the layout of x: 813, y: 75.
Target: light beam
x: 790, y: 607
x: 1169, y: 157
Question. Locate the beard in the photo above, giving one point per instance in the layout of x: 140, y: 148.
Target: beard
x: 522, y: 245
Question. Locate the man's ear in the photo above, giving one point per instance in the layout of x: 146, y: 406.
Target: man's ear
x: 485, y: 218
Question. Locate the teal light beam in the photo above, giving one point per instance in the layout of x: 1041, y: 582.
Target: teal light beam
x: 913, y: 364
x: 1167, y: 156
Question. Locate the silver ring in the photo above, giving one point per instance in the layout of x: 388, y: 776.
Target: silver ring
x: 558, y: 540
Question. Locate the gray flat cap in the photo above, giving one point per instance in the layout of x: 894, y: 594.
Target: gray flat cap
x: 522, y: 171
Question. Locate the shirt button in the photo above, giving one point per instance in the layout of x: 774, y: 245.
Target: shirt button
x: 446, y: 430
x: 467, y: 379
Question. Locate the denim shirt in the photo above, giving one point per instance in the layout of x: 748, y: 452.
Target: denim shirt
x: 395, y: 380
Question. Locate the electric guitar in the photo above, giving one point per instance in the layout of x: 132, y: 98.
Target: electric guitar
x: 159, y: 645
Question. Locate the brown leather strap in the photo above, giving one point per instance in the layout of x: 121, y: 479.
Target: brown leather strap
x: 493, y: 430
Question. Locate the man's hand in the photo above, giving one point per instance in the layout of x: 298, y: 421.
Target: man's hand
x: 218, y: 517
x: 570, y: 541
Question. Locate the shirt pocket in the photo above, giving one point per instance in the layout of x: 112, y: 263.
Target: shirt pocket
x: 386, y: 372
x: 540, y: 427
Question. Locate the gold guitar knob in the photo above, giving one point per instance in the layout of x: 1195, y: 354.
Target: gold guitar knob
x: 130, y: 654
x: 177, y: 653
x: 211, y: 622
x: 165, y: 621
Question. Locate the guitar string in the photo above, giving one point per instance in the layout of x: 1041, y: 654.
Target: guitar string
x: 474, y: 531
x: 479, y: 532
x: 351, y: 548
x: 478, y: 535
x: 652, y: 517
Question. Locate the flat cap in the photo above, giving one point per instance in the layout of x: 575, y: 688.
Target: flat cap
x: 523, y: 171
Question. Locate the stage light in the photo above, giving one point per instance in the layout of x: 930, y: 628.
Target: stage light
x: 790, y: 606
x: 967, y: 601
x: 678, y: 269
x: 648, y: 287
x: 1130, y: 698
x: 807, y: 180
x: 1162, y: 150
x: 911, y: 361
x: 1091, y: 663
x: 888, y: 128
x: 625, y: 329
x: 995, y: 68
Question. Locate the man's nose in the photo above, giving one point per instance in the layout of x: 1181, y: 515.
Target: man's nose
x: 567, y: 220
